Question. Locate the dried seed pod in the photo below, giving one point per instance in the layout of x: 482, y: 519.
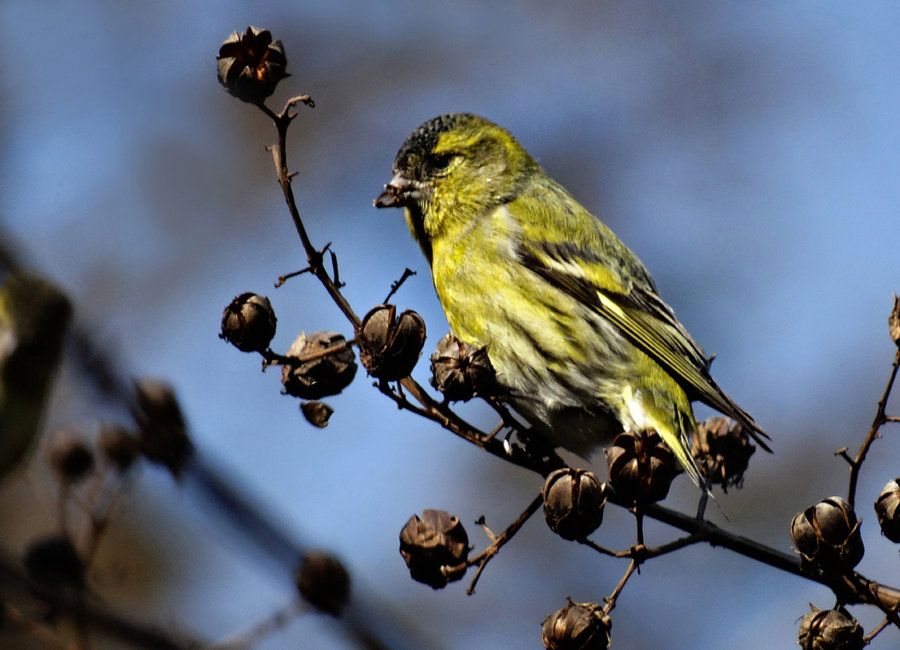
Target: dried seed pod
x: 641, y: 466
x: 894, y: 321
x: 326, y: 374
x: 69, y: 456
x: 577, y: 626
x: 55, y: 563
x: 830, y: 629
x: 722, y: 450
x: 316, y: 413
x: 827, y: 536
x: 460, y: 371
x: 431, y: 544
x: 249, y: 322
x: 390, y: 345
x: 886, y: 509
x: 251, y: 64
x: 163, y: 432
x: 323, y: 582
x: 573, y: 502
x: 119, y: 446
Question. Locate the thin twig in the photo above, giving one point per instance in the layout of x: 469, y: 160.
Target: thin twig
x: 497, y: 543
x: 506, y: 417
x: 611, y: 599
x: 447, y: 418
x: 674, y: 545
x: 287, y: 276
x: 279, y: 157
x: 407, y: 273
x: 271, y: 358
x: 497, y: 429
x: 602, y: 549
x: 880, y: 418
x: 640, y: 553
x: 875, y: 632
x: 335, y: 272
x: 864, y: 585
x: 639, y: 525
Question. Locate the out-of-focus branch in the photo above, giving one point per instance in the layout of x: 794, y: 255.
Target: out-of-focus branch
x: 97, y: 614
x: 104, y: 375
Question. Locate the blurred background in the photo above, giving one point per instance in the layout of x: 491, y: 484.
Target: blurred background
x: 748, y: 153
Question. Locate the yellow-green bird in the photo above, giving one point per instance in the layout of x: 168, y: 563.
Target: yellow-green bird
x: 34, y: 316
x: 572, y: 321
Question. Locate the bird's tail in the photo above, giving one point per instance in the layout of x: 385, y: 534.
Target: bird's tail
x: 680, y: 442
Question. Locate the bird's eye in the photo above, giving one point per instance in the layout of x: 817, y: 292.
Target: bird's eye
x: 438, y: 163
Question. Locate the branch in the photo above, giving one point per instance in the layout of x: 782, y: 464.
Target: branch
x: 497, y: 542
x: 396, y: 284
x: 279, y: 156
x: 97, y: 614
x: 853, y: 588
x: 639, y: 552
x: 611, y: 599
x: 880, y: 418
x: 439, y: 412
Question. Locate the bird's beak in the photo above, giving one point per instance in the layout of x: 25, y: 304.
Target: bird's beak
x: 400, y: 192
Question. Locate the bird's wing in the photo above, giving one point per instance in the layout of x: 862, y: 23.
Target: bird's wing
x: 639, y: 313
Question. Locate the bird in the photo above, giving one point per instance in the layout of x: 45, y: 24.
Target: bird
x: 572, y: 321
